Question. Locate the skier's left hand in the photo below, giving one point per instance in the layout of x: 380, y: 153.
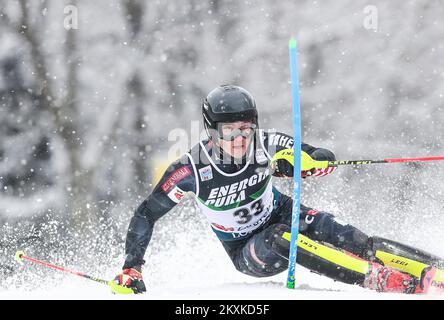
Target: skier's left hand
x: 282, y: 164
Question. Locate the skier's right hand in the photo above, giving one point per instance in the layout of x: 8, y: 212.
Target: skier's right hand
x: 131, y: 278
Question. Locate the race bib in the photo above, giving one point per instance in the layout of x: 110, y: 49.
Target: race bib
x: 242, y: 219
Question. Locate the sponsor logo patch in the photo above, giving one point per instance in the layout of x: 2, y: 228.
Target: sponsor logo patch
x: 260, y: 156
x: 220, y: 227
x: 312, y: 212
x: 310, y: 216
x: 206, y: 173
x: 174, y: 178
x: 280, y: 140
x: 176, y: 194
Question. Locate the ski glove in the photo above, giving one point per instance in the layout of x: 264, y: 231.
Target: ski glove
x: 282, y: 164
x: 130, y: 278
x: 317, y: 158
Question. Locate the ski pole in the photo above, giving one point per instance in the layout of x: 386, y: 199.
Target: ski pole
x: 309, y: 163
x: 326, y: 164
x: 20, y: 256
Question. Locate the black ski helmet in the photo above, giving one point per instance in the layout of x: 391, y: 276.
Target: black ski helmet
x: 228, y: 103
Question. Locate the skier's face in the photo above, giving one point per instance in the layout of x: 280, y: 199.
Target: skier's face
x: 237, y: 137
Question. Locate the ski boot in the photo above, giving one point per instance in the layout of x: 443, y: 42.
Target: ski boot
x: 386, y: 279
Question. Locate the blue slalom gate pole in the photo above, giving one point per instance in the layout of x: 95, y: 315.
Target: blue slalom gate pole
x: 292, y: 45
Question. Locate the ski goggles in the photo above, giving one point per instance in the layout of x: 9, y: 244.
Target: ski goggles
x: 229, y: 131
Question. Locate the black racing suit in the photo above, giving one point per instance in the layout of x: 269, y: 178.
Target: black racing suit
x: 249, y: 215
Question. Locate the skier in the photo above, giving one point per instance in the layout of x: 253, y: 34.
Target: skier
x: 230, y: 174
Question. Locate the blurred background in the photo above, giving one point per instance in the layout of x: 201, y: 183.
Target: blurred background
x: 90, y: 92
